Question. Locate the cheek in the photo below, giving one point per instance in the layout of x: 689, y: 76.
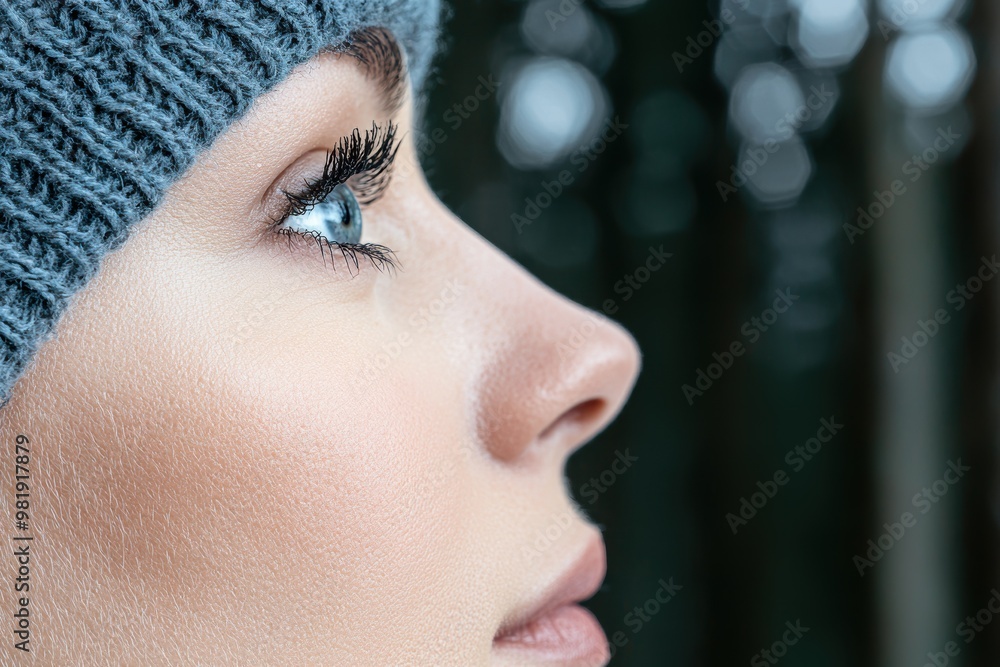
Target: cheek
x: 296, y: 461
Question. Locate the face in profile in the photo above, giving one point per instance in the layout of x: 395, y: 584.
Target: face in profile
x: 305, y: 416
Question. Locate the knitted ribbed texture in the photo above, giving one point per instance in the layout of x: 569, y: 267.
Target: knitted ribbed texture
x: 104, y: 103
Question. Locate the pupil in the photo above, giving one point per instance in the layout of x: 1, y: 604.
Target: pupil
x: 340, y: 217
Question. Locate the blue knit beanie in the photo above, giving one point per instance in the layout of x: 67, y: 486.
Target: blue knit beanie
x: 104, y: 103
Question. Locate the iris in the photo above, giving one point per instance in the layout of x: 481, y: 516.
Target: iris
x: 337, y: 218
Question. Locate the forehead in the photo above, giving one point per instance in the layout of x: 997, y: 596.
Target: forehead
x: 330, y: 79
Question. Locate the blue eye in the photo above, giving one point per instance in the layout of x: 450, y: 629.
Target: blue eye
x: 337, y: 218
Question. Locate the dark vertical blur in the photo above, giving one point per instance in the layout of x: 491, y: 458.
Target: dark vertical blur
x: 785, y: 202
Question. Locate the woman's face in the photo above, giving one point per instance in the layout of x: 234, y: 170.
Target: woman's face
x: 248, y: 450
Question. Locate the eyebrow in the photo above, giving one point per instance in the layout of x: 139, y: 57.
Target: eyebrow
x: 381, y: 59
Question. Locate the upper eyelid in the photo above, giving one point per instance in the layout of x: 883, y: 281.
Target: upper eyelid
x: 380, y: 175
x: 353, y: 156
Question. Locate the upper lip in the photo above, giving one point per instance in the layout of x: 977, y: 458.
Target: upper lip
x: 580, y: 581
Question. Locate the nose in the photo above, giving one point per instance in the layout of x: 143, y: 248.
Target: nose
x: 556, y: 373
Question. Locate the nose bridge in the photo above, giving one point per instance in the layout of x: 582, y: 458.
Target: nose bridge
x: 556, y: 375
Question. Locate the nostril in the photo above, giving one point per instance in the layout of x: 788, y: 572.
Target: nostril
x: 575, y: 419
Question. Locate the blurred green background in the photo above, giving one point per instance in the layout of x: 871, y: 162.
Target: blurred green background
x: 815, y: 471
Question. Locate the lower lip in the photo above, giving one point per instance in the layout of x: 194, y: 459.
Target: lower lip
x: 565, y: 635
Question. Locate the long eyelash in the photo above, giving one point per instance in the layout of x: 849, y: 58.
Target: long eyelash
x: 380, y: 256
x: 365, y: 163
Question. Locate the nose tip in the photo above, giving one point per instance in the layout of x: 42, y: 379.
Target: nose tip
x: 559, y: 386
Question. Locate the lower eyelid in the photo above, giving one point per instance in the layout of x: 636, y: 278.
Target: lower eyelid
x: 352, y: 256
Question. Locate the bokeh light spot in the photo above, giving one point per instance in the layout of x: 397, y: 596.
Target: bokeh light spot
x: 551, y: 106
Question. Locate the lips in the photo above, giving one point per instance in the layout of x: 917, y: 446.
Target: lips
x: 555, y: 629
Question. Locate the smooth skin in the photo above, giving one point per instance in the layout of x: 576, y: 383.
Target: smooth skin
x: 220, y: 478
